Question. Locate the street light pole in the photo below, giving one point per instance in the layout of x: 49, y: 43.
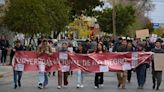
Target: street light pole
x: 114, y: 18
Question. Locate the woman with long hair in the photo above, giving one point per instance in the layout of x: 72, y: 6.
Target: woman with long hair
x: 99, y: 77
x: 80, y: 73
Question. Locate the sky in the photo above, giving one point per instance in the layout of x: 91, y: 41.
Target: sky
x: 157, y: 14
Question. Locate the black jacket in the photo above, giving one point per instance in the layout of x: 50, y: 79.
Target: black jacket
x: 121, y: 49
x: 21, y: 48
x: 4, y: 44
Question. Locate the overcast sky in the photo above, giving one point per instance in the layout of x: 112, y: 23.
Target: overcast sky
x: 157, y: 15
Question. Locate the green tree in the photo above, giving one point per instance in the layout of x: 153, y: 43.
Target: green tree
x: 125, y: 16
x: 149, y: 25
x: 158, y: 31
x: 83, y: 6
x: 37, y: 16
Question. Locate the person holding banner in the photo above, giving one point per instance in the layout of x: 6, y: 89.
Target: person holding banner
x: 141, y: 69
x: 130, y: 48
x: 122, y: 75
x: 99, y: 77
x: 80, y: 74
x: 53, y: 50
x: 157, y: 75
x: 44, y: 47
x: 19, y: 68
x: 64, y: 72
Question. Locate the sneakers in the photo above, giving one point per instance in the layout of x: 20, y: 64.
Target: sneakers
x: 80, y: 86
x: 96, y: 87
x: 19, y: 85
x: 40, y: 86
x: 59, y: 87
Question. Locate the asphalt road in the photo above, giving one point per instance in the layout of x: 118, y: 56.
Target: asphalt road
x: 29, y: 84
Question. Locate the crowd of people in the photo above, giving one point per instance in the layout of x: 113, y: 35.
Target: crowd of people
x: 92, y: 45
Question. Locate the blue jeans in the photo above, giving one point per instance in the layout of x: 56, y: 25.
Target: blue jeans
x: 141, y: 74
x: 80, y: 77
x: 43, y: 78
x: 17, y: 75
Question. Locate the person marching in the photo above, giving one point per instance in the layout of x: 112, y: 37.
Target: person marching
x: 80, y: 74
x: 122, y: 76
x: 53, y: 50
x: 157, y: 75
x: 44, y: 47
x: 141, y: 69
x: 63, y: 75
x: 18, y: 69
x: 130, y: 48
x: 99, y: 77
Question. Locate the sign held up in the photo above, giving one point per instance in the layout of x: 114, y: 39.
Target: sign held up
x: 142, y: 33
x: 158, y: 62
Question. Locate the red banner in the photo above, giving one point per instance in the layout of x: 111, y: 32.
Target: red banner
x: 95, y: 62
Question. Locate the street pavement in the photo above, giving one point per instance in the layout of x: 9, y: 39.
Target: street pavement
x: 29, y: 83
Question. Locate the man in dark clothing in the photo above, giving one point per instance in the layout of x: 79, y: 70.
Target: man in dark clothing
x: 117, y: 44
x: 16, y: 72
x: 122, y: 47
x: 4, y: 45
x: 122, y: 76
x: 157, y: 75
x: 16, y: 48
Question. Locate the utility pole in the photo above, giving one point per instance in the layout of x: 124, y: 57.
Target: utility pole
x: 114, y: 18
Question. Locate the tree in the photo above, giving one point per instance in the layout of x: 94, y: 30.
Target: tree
x: 37, y: 16
x: 142, y: 7
x: 80, y: 27
x: 83, y: 6
x: 149, y: 25
x: 158, y: 31
x: 125, y: 16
